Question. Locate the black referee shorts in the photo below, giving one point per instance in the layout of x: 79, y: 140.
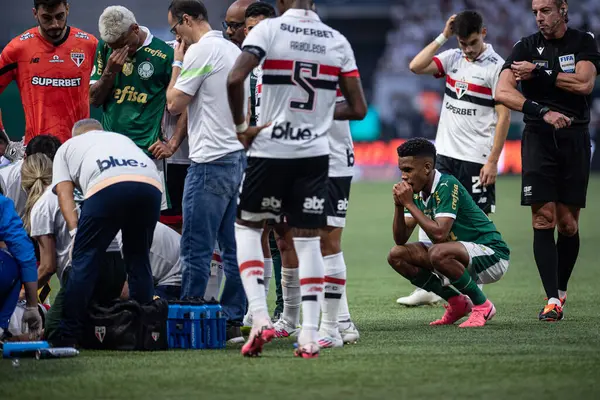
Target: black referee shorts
x: 556, y: 166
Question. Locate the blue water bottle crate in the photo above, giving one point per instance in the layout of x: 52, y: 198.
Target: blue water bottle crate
x: 215, y: 331
x: 185, y: 326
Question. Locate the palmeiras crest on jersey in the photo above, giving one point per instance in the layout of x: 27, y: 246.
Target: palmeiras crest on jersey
x: 100, y: 332
x: 78, y: 57
x: 461, y: 88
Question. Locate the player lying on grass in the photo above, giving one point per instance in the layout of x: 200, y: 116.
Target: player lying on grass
x: 467, y: 248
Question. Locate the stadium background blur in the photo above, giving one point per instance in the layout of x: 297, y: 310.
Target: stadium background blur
x: 385, y: 35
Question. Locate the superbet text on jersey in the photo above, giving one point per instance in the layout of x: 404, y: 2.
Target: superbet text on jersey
x: 53, y: 79
x: 468, y: 118
x: 302, y: 60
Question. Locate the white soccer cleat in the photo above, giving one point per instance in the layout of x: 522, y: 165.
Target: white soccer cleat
x: 329, y: 340
x: 348, y: 332
x: 284, y: 329
x: 419, y: 297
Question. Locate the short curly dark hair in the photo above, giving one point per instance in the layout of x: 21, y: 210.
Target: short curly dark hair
x: 417, y: 147
x: 260, y: 9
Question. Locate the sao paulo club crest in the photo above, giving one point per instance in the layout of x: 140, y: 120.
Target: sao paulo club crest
x: 460, y: 88
x: 100, y: 332
x: 78, y: 57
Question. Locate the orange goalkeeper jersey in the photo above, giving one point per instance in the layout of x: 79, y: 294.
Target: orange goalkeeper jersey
x: 53, y: 79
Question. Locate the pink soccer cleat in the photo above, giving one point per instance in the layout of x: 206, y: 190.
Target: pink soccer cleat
x: 258, y: 337
x: 457, y: 307
x: 309, y: 350
x: 480, y: 315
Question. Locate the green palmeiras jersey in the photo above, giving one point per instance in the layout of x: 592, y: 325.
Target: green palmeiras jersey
x: 450, y: 199
x: 136, y: 104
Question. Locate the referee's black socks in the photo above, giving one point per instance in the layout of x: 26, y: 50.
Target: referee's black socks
x: 546, y: 258
x: 567, y: 248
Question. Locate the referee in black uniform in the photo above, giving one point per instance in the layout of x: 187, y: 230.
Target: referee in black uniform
x: 557, y: 68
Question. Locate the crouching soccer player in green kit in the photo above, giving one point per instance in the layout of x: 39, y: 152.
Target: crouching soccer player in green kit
x: 467, y: 248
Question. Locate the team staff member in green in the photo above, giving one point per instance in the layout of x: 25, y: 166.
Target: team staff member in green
x: 130, y: 78
x: 467, y: 249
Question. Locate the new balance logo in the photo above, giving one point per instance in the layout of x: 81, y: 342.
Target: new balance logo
x: 314, y: 205
x: 104, y: 165
x: 271, y: 203
x: 527, y: 191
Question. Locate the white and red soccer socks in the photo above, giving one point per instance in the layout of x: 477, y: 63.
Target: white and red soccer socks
x: 335, y: 287
x: 268, y: 274
x: 312, y: 273
x: 252, y: 266
x: 290, y: 288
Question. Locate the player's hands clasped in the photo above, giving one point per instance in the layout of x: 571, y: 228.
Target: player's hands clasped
x: 117, y: 60
x: 557, y: 120
x: 523, y: 70
x: 403, y: 194
x: 449, y: 28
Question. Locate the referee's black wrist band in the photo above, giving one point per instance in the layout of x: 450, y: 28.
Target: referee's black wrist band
x: 534, y: 109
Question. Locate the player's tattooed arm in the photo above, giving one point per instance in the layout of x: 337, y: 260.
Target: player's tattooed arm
x: 355, y: 106
x: 100, y: 91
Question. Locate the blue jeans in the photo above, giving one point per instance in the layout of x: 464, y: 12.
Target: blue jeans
x: 209, y: 211
x: 131, y: 207
x: 10, y: 286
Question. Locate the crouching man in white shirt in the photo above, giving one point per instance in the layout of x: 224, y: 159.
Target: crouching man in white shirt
x: 122, y: 191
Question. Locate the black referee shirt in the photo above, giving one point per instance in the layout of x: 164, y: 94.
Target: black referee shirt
x: 560, y: 55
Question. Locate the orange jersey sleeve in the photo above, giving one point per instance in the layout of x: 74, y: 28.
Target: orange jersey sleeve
x: 8, y: 65
x: 53, y: 80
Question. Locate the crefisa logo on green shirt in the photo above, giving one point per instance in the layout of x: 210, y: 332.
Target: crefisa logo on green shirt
x: 129, y: 94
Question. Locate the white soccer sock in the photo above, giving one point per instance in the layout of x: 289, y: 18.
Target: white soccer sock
x: 290, y: 288
x: 335, y: 285
x: 312, y: 274
x: 343, y: 310
x: 555, y: 301
x: 268, y: 274
x: 250, y: 261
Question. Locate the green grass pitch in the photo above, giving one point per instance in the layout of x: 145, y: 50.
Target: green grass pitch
x: 399, y: 355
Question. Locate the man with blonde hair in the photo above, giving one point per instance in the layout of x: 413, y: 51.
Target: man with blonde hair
x: 130, y: 79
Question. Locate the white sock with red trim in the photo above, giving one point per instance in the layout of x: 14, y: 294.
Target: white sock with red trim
x: 311, y: 272
x: 335, y: 285
x: 251, y: 263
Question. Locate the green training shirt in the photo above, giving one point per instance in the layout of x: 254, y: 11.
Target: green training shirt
x: 137, y: 102
x: 450, y: 199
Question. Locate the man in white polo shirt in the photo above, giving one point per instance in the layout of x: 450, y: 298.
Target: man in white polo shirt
x: 122, y: 191
x: 218, y: 159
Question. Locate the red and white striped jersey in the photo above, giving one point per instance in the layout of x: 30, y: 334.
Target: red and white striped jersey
x: 341, y: 148
x: 302, y: 60
x: 468, y: 118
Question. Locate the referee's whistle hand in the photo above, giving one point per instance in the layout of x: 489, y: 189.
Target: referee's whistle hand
x: 557, y: 120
